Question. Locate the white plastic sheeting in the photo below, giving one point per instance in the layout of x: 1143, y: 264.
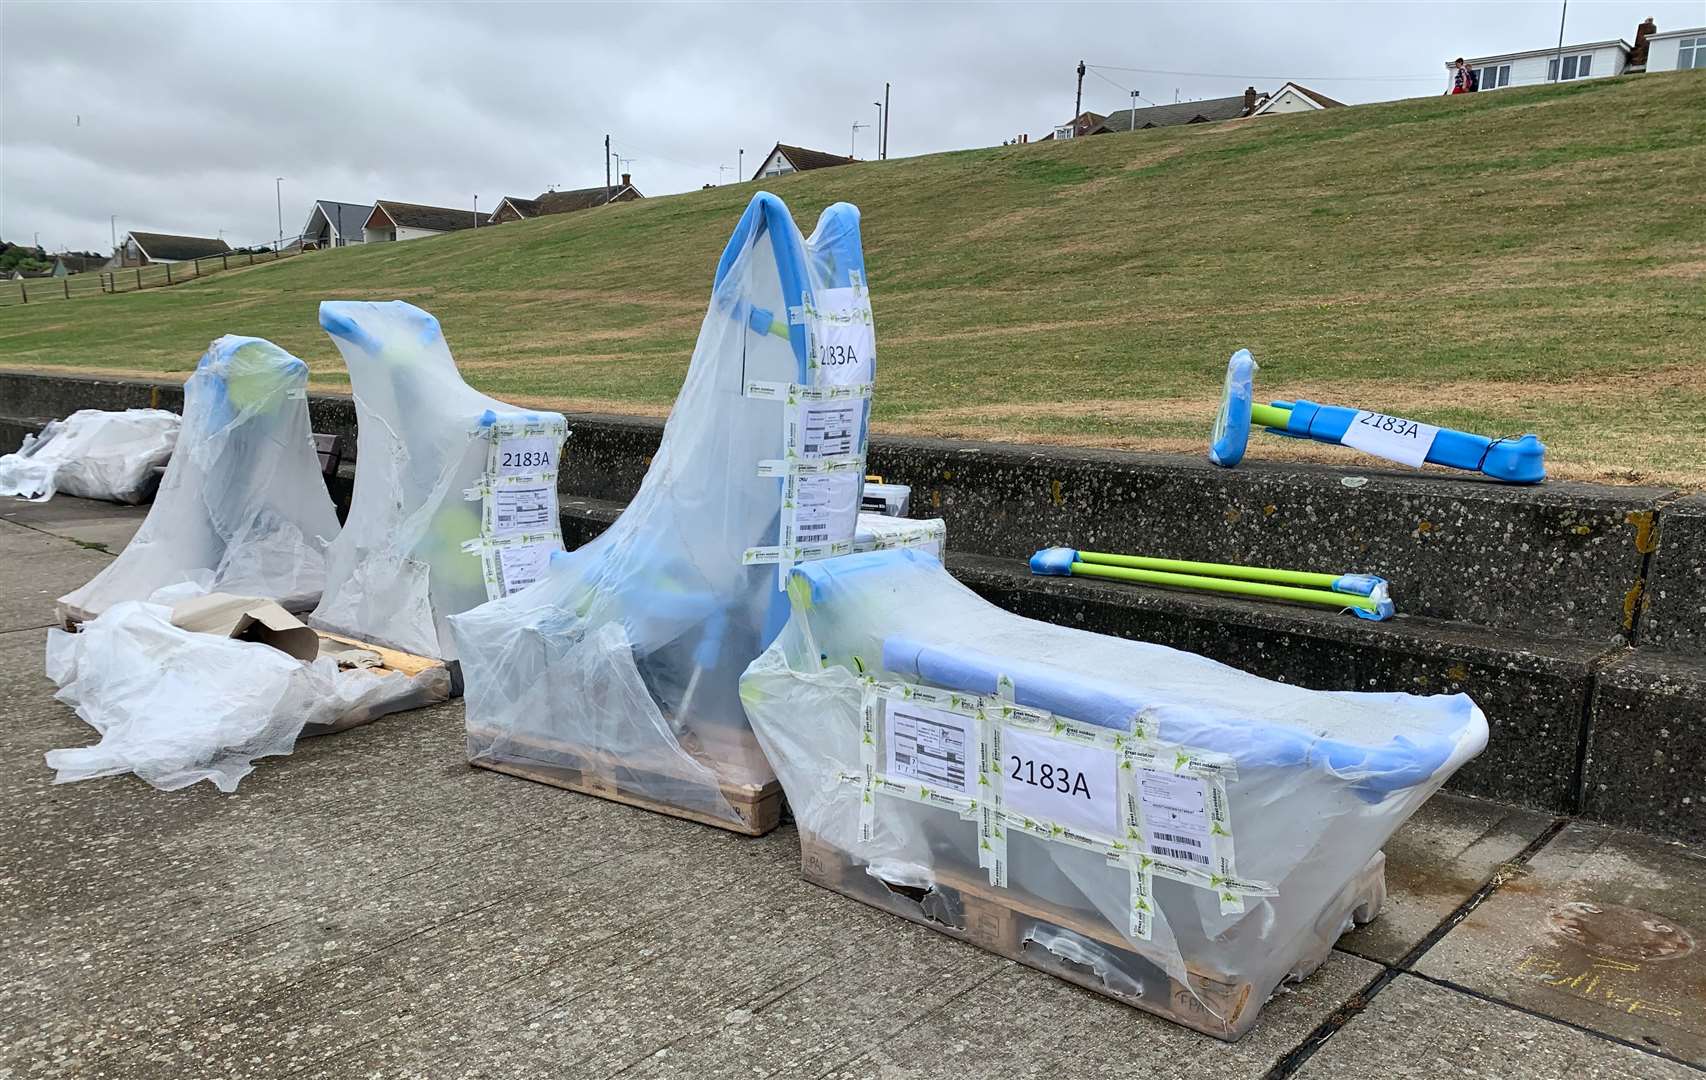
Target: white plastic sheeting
x: 623, y: 661
x: 1211, y: 818
x: 242, y: 508
x: 176, y: 707
x: 93, y: 455
x: 455, y: 492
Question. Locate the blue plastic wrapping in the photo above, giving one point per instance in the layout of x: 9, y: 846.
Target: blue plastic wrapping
x: 455, y: 496
x: 1307, y: 785
x: 622, y: 662
x: 242, y: 508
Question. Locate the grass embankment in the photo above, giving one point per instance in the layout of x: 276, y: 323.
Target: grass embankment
x: 1525, y: 260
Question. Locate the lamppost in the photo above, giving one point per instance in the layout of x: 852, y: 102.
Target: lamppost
x: 278, y: 194
x: 740, y: 165
x: 879, y: 106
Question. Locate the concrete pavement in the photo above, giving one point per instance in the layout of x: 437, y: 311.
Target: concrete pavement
x: 371, y: 906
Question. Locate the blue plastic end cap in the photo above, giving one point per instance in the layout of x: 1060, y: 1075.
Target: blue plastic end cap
x: 488, y: 418
x: 1516, y: 461
x: 1359, y: 584
x: 1383, y: 609
x: 338, y: 319
x: 759, y: 319
x: 1232, y: 423
x: 1054, y: 561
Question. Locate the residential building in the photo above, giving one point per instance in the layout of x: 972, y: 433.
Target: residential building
x: 146, y: 249
x: 1676, y: 50
x: 1206, y: 111
x: 514, y: 208
x: 335, y: 224
x: 784, y: 159
x: 1085, y: 123
x: 67, y: 263
x: 1293, y: 97
x: 392, y: 220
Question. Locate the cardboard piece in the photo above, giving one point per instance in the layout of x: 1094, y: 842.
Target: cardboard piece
x: 248, y: 618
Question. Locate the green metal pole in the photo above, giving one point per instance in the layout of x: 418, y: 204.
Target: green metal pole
x: 1209, y: 569
x: 1226, y: 585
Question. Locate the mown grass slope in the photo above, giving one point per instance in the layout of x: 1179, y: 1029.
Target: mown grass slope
x: 1529, y: 259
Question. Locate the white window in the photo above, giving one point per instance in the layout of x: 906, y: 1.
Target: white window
x: 1691, y: 53
x: 1492, y: 76
x: 1575, y: 67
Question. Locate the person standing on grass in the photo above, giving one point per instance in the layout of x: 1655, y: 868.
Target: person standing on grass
x: 1462, y: 79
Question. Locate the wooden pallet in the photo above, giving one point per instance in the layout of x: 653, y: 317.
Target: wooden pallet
x: 636, y: 781
x: 965, y: 906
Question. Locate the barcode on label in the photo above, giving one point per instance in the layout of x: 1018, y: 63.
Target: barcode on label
x: 815, y: 536
x: 1179, y: 853
x: 1177, y: 839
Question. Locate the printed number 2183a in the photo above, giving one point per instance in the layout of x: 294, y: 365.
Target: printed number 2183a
x: 1051, y: 777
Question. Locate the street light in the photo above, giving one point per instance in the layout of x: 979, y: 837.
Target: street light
x: 879, y: 106
x: 278, y: 194
x: 740, y: 165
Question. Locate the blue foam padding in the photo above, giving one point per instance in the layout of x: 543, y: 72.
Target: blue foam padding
x: 1054, y: 561
x: 1360, y: 584
x: 1232, y: 424
x: 1515, y: 461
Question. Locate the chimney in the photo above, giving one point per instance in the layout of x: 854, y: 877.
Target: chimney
x: 627, y: 181
x: 1638, y: 54
x: 1249, y: 101
x: 1025, y: 138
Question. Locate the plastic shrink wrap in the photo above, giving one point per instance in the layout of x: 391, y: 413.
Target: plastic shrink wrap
x: 93, y: 455
x: 243, y: 507
x: 617, y: 672
x: 455, y: 498
x: 1147, y: 822
x: 175, y: 707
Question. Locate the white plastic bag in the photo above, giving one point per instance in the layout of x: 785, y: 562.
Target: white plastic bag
x: 243, y: 507
x: 455, y: 492
x: 1211, y: 820
x: 622, y: 662
x: 175, y: 707
x: 93, y: 455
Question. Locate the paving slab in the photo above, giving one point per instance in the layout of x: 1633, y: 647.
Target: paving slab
x: 1604, y: 931
x: 1414, y: 1028
x: 36, y: 569
x: 1436, y: 861
x: 103, y: 525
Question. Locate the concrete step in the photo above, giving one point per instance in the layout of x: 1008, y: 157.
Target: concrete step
x: 1534, y: 690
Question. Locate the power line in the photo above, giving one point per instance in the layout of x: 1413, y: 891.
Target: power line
x: 1111, y: 82
x: 1292, y: 78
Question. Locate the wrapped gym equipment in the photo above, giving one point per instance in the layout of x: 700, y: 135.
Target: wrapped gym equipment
x: 93, y: 455
x: 243, y: 507
x: 617, y: 672
x: 455, y: 497
x: 1148, y: 823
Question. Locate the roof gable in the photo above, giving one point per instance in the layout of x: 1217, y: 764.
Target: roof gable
x: 168, y: 247
x: 345, y: 219
x: 1319, y: 100
x: 404, y: 215
x: 802, y: 159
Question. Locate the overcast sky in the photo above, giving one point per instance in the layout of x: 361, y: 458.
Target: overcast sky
x: 177, y: 117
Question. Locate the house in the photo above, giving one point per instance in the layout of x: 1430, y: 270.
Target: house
x: 513, y: 208
x: 1206, y: 111
x: 1673, y: 50
x: 67, y: 263
x: 1085, y: 123
x: 411, y: 221
x: 146, y: 249
x: 785, y: 159
x: 335, y: 224
x: 1293, y: 97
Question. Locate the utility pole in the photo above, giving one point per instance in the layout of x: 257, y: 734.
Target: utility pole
x: 885, y: 138
x: 1558, y: 60
x: 278, y: 193
x: 853, y: 143
x: 607, y: 168
x: 1078, y: 102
